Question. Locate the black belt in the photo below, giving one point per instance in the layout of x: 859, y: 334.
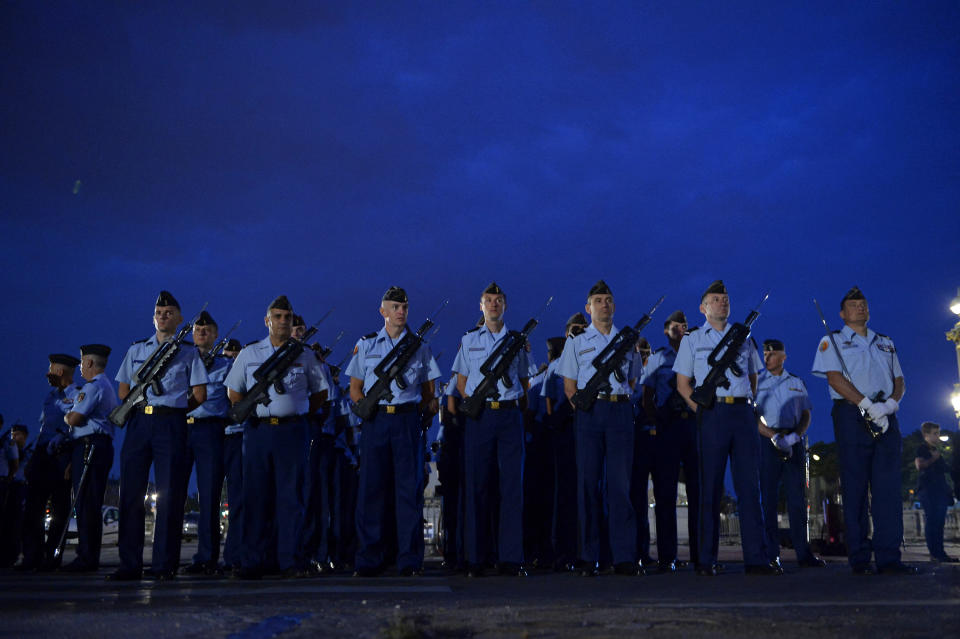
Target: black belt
x: 607, y: 397
x: 149, y: 409
x: 276, y: 421
x: 501, y: 404
x: 393, y: 409
x: 732, y: 400
x: 205, y: 420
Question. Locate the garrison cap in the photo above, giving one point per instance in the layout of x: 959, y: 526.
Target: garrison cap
x: 853, y: 294
x: 101, y: 350
x: 233, y: 344
x: 298, y: 320
x: 166, y: 298
x: 205, y: 319
x: 493, y: 289
x: 676, y: 316
x: 644, y: 344
x: 334, y: 371
x: 717, y: 287
x: 66, y: 360
x: 281, y: 303
x: 18, y: 427
x: 395, y: 294
x: 555, y: 346
x: 600, y: 288
x: 772, y: 345
x: 576, y: 318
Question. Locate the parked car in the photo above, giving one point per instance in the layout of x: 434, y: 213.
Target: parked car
x: 191, y: 522
x: 111, y: 526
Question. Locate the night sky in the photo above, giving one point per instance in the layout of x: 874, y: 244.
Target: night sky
x: 236, y: 151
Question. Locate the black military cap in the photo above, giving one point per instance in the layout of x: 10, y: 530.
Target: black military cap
x: 644, y: 344
x: 166, y: 298
x: 717, y: 287
x: 576, y: 318
x: 676, y: 316
x: 205, y: 319
x: 494, y: 289
x: 772, y: 345
x: 298, y: 320
x: 20, y: 428
x: 95, y: 349
x: 395, y: 294
x: 334, y: 371
x: 232, y: 345
x: 66, y: 360
x: 853, y: 294
x: 555, y: 346
x: 281, y: 303
x: 600, y: 288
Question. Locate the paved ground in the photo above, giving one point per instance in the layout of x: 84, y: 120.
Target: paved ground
x: 810, y: 602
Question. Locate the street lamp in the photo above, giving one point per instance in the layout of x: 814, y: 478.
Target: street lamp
x: 954, y: 336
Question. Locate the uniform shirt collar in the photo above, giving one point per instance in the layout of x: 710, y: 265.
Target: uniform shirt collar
x: 592, y: 332
x: 707, y: 327
x: 495, y: 336
x: 382, y: 334
x: 849, y: 334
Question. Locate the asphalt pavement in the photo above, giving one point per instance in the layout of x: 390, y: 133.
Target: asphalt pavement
x: 821, y: 602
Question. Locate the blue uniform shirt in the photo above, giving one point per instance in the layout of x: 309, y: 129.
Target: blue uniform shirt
x: 56, y: 404
x: 535, y: 401
x: 475, y: 347
x: 871, y: 360
x: 658, y: 374
x: 184, y: 371
x: 576, y: 361
x: 370, y: 351
x: 304, y: 378
x: 697, y: 345
x: 217, y: 403
x: 553, y: 384
x: 781, y: 399
x: 95, y: 401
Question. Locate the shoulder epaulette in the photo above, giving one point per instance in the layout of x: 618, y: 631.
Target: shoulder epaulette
x: 659, y: 349
x: 369, y: 335
x: 141, y: 341
x: 838, y: 330
x: 882, y: 335
x: 691, y: 330
x: 472, y: 330
x: 249, y: 343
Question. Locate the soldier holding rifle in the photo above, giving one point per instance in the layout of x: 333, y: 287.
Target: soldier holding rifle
x: 866, y: 385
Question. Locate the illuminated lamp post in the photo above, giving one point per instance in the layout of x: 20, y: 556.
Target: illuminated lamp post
x: 954, y: 336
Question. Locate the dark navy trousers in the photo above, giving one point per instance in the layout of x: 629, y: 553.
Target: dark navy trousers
x: 161, y: 440
x: 275, y: 465
x: 563, y: 445
x: 89, y: 506
x: 318, y: 531
x: 774, y: 470
x: 493, y: 455
x: 730, y: 431
x: 605, y: 467
x: 391, y: 467
x: 935, y: 504
x: 205, y: 450
x: 450, y: 470
x: 676, y: 446
x: 870, y: 483
x: 45, y: 480
x: 644, y: 463
x: 233, y: 468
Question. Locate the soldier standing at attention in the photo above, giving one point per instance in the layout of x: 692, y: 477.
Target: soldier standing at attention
x: 156, y: 433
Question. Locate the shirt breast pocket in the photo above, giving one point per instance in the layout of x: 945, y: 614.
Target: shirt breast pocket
x: 175, y: 377
x: 412, y: 373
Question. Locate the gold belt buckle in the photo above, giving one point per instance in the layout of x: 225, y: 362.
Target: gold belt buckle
x: 148, y: 410
x: 274, y: 421
x: 495, y: 405
x: 190, y: 420
x: 728, y: 399
x: 391, y: 409
x: 614, y: 398
x: 684, y: 415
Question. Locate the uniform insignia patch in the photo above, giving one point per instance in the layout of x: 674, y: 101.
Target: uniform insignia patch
x: 478, y: 348
x: 887, y: 348
x: 81, y: 396
x: 823, y: 346
x: 589, y: 350
x: 356, y: 348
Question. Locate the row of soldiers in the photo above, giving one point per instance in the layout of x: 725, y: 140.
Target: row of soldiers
x: 611, y: 413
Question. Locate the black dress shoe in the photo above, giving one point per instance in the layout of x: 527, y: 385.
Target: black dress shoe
x: 862, y: 570
x: 511, y: 569
x: 163, y: 575
x: 625, y: 568
x: 25, y: 567
x: 711, y: 570
x: 248, y: 574
x: 125, y: 574
x: 898, y: 568
x: 196, y: 568
x: 409, y: 571
x: 588, y: 570
x: 79, y: 567
x: 763, y: 570
x: 813, y: 562
x: 293, y: 572
x: 667, y: 567
x: 474, y: 570
x: 945, y: 559
x: 364, y: 571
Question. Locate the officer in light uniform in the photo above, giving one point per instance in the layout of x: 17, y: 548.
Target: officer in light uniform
x: 729, y: 429
x: 493, y: 446
x: 604, y: 441
x: 233, y: 470
x: 675, y: 445
x: 205, y: 437
x: 276, y: 449
x: 156, y: 433
x: 392, y: 444
x: 783, y: 416
x: 869, y: 466
x: 45, y: 474
x: 91, y: 430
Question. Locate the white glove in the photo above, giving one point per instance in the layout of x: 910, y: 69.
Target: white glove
x: 882, y: 423
x: 891, y: 406
x: 780, y: 442
x: 877, y: 410
x: 865, y: 404
x: 791, y: 439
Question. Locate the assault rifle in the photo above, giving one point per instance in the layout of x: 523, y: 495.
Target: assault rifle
x: 270, y: 373
x: 609, y: 361
x: 724, y: 358
x: 496, y: 368
x: 390, y: 369
x: 218, y: 347
x: 149, y: 374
